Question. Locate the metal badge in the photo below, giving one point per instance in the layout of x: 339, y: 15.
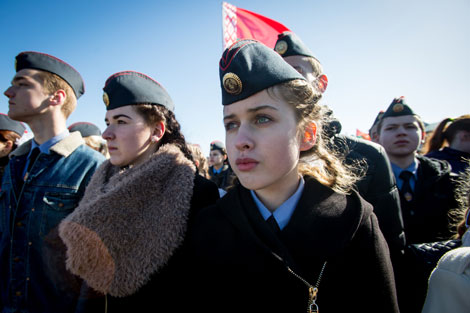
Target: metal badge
x: 398, y: 107
x: 105, y: 98
x: 281, y: 47
x: 232, y: 83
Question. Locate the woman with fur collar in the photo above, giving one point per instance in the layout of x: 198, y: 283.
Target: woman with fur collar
x: 126, y: 239
x: 292, y: 235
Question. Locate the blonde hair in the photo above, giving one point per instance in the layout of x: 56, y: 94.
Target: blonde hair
x: 322, y: 162
x: 51, y: 83
x: 96, y: 143
x: 199, y: 159
x: 462, y: 196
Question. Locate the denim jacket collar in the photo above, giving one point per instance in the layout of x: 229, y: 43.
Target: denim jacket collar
x: 64, y: 147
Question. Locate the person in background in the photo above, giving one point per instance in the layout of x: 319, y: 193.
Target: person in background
x: 450, y: 141
x: 127, y: 237
x: 449, y: 283
x: 425, y: 184
x: 10, y: 133
x: 426, y: 194
x: 219, y: 171
x: 377, y: 186
x: 42, y: 184
x: 374, y: 136
x: 293, y: 234
x: 92, y: 136
x: 199, y: 159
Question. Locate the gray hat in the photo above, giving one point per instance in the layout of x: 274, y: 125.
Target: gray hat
x: 248, y: 67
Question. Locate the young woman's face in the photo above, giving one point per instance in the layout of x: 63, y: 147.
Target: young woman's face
x: 217, y: 158
x: 400, y: 135
x: 262, y: 142
x: 5, y: 148
x: 128, y: 136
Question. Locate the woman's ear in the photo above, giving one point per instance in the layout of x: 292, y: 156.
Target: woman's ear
x: 309, y: 137
x: 322, y: 83
x: 158, y: 132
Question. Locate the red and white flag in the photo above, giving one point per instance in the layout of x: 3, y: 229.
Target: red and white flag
x: 361, y: 134
x: 239, y: 23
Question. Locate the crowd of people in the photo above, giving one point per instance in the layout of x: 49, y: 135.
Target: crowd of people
x: 287, y: 215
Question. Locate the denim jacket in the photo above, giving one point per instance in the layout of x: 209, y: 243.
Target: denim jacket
x: 29, y: 214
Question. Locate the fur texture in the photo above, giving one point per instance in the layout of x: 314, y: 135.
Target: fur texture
x: 129, y: 222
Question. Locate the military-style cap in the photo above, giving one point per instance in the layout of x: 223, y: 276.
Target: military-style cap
x: 86, y: 129
x: 218, y: 145
x: 129, y: 87
x: 6, y: 123
x: 248, y: 67
x: 288, y: 44
x: 377, y: 118
x: 398, y: 107
x: 49, y: 63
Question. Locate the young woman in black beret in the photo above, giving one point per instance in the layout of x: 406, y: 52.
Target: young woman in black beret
x: 292, y: 235
x: 126, y: 239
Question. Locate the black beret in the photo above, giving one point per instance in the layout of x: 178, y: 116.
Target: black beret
x: 248, y: 67
x: 48, y: 63
x: 218, y: 145
x: 129, y: 87
x: 86, y: 129
x: 7, y: 123
x: 289, y: 44
x: 398, y: 107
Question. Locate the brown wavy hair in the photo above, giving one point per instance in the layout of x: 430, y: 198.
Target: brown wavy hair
x: 322, y: 162
x: 446, y: 131
x: 154, y: 113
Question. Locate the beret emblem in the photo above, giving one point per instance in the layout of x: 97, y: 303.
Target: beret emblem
x: 281, y: 47
x: 16, y: 65
x: 105, y: 99
x: 232, y: 83
x: 398, y: 107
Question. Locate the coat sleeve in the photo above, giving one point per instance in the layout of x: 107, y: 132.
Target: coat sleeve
x: 449, y: 284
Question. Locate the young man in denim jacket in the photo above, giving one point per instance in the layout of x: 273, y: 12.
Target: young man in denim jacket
x: 43, y: 182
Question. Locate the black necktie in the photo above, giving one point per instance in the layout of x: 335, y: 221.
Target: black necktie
x: 273, y: 224
x: 406, y: 190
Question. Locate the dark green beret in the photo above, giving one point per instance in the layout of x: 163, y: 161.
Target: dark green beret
x: 48, y: 63
x: 288, y: 44
x: 218, y: 145
x: 398, y: 107
x: 6, y: 123
x: 86, y: 129
x: 129, y: 87
x: 248, y: 67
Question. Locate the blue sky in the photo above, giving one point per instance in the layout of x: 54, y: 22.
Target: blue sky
x: 371, y: 50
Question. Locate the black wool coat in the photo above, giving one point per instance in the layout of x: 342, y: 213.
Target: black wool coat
x: 241, y: 265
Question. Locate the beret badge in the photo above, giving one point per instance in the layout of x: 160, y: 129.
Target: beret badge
x: 232, y: 83
x: 281, y: 47
x: 105, y: 98
x: 398, y: 107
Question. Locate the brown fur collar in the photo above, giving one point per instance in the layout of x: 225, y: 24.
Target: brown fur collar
x: 129, y: 222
